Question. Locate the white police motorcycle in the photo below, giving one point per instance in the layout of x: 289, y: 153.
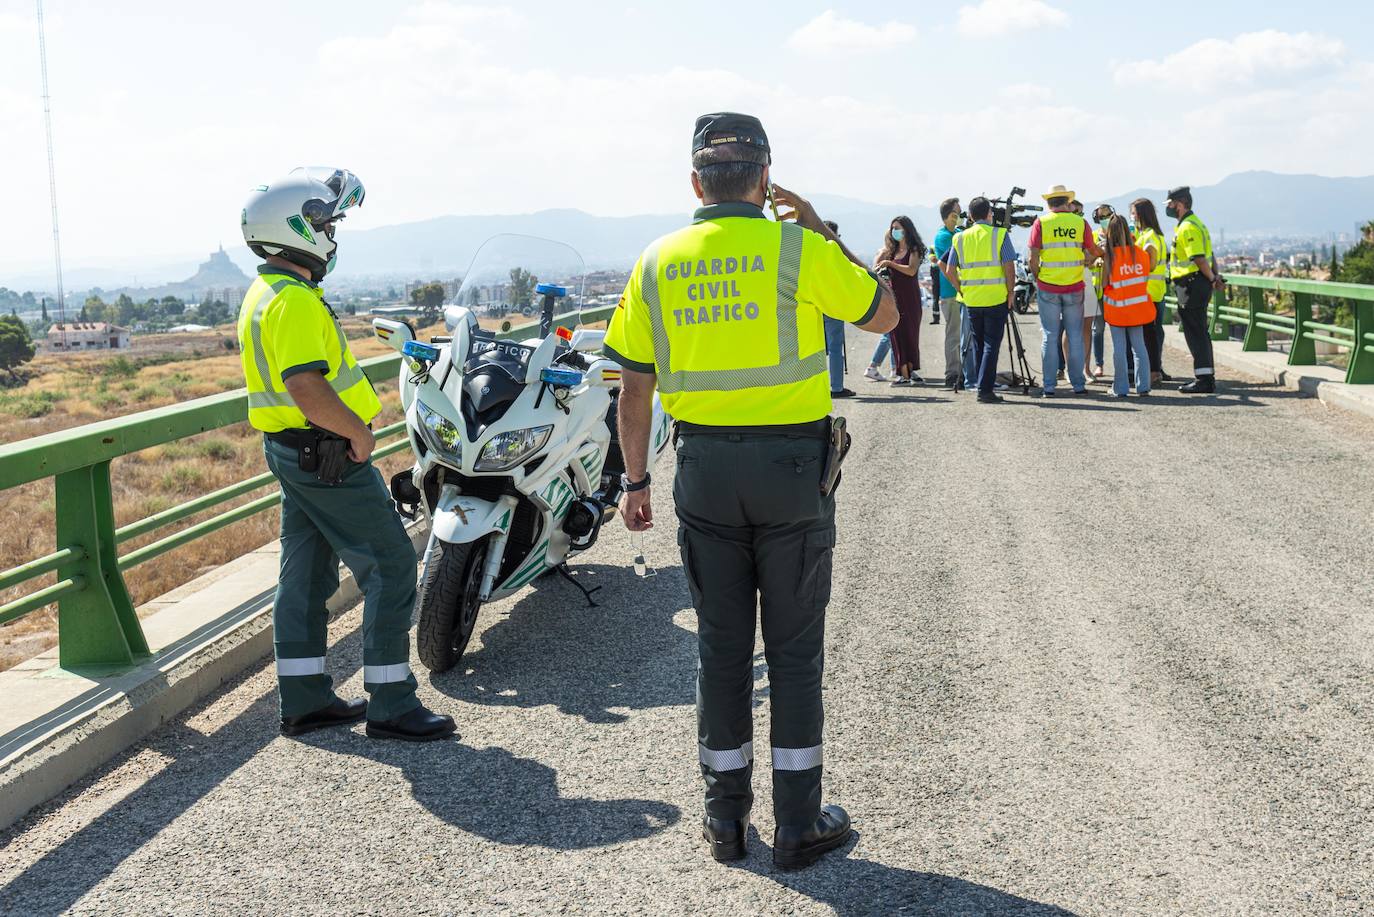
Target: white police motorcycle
x: 518, y: 463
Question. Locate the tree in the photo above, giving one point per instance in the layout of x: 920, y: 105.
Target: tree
x: 170, y: 305
x: 16, y: 346
x: 428, y: 299
x: 126, y: 310
x: 522, y: 284
x: 213, y: 313
x: 45, y: 309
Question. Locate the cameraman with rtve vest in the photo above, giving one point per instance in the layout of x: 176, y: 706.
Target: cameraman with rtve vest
x: 724, y: 317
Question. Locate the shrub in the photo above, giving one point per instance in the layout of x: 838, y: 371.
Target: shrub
x: 121, y: 367
x: 219, y: 449
x: 30, y: 405
x: 183, y: 477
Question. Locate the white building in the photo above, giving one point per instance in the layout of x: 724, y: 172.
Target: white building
x: 87, y: 336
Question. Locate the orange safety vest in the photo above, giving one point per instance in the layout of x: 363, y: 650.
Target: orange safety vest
x: 1126, y: 297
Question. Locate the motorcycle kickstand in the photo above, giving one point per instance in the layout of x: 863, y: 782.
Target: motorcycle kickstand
x: 562, y: 570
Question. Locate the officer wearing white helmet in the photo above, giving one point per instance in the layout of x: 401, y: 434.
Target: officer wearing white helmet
x: 314, y: 404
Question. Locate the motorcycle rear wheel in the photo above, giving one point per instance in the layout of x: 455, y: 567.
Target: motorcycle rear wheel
x: 449, y: 602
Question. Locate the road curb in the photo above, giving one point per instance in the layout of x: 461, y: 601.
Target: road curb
x: 60, y: 746
x: 1325, y: 383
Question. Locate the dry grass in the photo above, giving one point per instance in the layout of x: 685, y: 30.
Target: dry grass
x: 68, y: 391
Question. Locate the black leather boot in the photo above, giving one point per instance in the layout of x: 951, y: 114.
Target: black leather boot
x: 339, y: 713
x: 1202, y: 385
x: 794, y: 848
x: 418, y: 725
x: 726, y: 837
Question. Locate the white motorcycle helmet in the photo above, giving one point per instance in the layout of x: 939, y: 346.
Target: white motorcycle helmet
x: 294, y: 218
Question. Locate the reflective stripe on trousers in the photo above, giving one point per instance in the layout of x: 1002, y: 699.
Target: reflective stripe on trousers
x: 796, y: 759
x: 295, y: 668
x: 790, y: 368
x: 726, y: 759
x: 385, y: 674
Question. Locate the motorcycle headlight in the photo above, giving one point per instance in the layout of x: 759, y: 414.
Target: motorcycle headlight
x: 438, y: 431
x: 506, y: 450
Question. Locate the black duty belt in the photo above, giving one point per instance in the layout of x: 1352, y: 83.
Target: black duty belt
x: 293, y: 438
x: 817, y: 429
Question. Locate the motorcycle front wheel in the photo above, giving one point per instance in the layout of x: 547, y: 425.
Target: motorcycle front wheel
x: 450, y: 597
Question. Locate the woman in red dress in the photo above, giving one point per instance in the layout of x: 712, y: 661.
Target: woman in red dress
x: 901, y: 257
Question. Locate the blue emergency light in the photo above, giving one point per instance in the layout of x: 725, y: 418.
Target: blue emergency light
x: 546, y: 288
x: 561, y: 378
x: 419, y: 350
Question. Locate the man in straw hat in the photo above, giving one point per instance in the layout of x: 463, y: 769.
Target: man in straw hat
x: 1060, y: 244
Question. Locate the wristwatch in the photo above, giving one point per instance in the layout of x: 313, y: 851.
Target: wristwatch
x: 629, y: 487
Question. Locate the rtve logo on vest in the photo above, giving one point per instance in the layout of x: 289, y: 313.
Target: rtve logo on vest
x: 732, y: 309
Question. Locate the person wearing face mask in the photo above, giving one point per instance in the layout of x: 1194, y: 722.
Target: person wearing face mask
x: 1150, y: 237
x: 1193, y: 272
x: 956, y: 323
x: 313, y: 403
x: 901, y: 257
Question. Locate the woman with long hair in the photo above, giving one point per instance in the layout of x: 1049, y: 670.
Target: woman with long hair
x: 901, y: 257
x: 1151, y: 238
x: 1126, y: 304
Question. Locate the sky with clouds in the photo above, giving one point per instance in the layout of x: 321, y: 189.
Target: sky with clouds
x: 166, y: 113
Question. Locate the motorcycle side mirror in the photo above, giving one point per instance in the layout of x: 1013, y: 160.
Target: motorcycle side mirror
x: 394, y: 334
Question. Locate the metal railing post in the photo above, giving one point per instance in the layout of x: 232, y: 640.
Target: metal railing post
x: 1215, y: 329
x: 96, y: 626
x: 1303, y: 351
x: 1256, y: 338
x: 1361, y: 370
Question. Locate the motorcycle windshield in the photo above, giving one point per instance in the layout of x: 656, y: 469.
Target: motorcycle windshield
x: 502, y: 285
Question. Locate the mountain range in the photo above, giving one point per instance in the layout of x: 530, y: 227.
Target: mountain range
x: 1248, y: 203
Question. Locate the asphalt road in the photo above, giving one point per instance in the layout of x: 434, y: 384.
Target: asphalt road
x: 1084, y: 657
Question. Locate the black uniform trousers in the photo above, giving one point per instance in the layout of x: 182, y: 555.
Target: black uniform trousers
x: 756, y: 534
x: 1194, y: 294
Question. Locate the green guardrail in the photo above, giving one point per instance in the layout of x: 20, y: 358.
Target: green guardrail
x: 96, y: 623
x: 1245, y: 302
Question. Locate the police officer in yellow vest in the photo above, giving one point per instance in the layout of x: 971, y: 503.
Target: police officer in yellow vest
x: 982, y: 267
x: 1193, y: 271
x: 725, y: 317
x: 313, y: 403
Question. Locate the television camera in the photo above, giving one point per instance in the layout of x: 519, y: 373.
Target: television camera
x: 1006, y: 212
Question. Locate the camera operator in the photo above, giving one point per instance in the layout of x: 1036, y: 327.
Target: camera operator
x: 982, y: 268
x: 1061, y: 243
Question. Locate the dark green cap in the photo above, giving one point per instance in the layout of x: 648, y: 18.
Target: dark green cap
x: 728, y: 127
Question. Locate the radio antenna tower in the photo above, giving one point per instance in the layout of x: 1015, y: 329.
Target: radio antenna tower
x: 52, y: 178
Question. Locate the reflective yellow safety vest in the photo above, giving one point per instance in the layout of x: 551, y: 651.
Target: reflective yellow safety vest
x: 727, y: 312
x: 981, y: 276
x: 1154, y: 242
x: 1191, y: 239
x: 1061, y: 248
x: 285, y: 327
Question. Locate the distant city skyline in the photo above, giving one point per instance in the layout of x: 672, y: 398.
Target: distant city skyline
x: 166, y: 113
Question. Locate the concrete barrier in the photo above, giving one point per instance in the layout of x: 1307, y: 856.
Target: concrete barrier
x: 56, y: 726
